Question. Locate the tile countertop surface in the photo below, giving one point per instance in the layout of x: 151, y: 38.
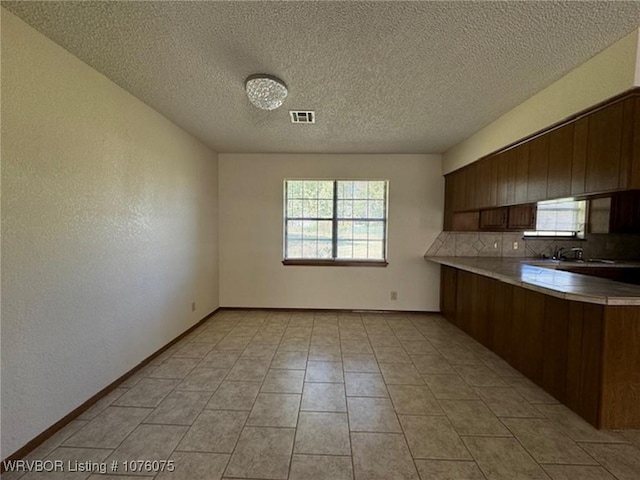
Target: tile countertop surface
x: 542, y: 276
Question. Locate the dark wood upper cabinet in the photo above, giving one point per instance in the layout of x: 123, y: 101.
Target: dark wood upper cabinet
x: 505, y: 178
x: 538, y: 168
x: 634, y: 177
x: 604, y: 147
x: 579, y: 157
x: 627, y: 152
x: 471, y: 184
x: 625, y: 212
x: 560, y: 161
x: 521, y: 157
x: 457, y: 183
x: 466, y: 221
x: 596, y: 152
x: 487, y: 183
x: 449, y: 185
x: 494, y: 219
x: 522, y: 217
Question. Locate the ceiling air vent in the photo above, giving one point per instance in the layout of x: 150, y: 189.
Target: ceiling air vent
x: 302, y: 116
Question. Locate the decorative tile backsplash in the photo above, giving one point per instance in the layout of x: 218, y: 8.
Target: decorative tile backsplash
x: 496, y: 244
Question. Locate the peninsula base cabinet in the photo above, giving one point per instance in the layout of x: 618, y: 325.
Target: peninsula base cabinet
x: 585, y: 355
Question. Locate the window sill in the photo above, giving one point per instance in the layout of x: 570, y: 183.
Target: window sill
x: 334, y: 263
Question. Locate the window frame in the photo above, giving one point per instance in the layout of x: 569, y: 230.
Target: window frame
x: 334, y: 261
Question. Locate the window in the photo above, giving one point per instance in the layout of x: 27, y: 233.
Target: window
x: 560, y: 218
x: 336, y: 222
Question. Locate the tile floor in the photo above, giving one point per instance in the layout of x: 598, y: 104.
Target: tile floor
x: 325, y: 396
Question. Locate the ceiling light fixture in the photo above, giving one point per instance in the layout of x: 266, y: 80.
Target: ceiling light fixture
x: 265, y: 91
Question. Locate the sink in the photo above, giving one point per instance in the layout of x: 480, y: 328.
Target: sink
x: 548, y: 263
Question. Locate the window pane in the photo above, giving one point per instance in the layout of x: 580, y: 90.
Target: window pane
x: 294, y: 239
x: 310, y: 229
x: 325, y: 229
x: 376, y: 190
x: 309, y: 248
x: 375, y: 250
x: 294, y: 229
x: 310, y: 209
x: 360, y: 189
x: 376, y: 209
x: 294, y: 208
x: 325, y: 208
x: 345, y: 230
x: 294, y: 249
x: 345, y: 189
x: 294, y: 189
x: 359, y: 249
x: 376, y: 231
x: 345, y: 209
x: 360, y: 230
x: 324, y: 249
x: 325, y: 190
x: 345, y: 249
x: 310, y: 189
x: 359, y: 209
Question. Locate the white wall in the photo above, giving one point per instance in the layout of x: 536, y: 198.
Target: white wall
x: 109, y: 232
x: 251, y: 233
x: 612, y: 71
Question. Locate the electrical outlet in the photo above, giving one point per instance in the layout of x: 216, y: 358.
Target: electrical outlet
x: 515, y: 245
x: 193, y: 306
x: 394, y: 295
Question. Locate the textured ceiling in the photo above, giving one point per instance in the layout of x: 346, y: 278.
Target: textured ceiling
x: 403, y: 77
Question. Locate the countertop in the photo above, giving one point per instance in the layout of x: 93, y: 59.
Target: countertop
x: 541, y: 276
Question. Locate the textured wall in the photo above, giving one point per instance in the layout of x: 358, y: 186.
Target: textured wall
x: 251, y: 233
x: 612, y: 71
x: 109, y: 232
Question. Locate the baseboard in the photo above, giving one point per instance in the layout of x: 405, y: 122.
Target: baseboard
x: 49, y: 432
x: 329, y: 310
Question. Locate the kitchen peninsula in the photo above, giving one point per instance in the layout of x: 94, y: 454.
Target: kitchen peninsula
x: 577, y: 336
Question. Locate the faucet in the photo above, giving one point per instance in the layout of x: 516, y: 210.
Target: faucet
x: 558, y: 254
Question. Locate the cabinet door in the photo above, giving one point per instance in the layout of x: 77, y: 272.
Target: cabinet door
x: 506, y: 177
x: 448, y: 202
x: 483, y: 170
x: 604, y: 149
x: 471, y: 181
x: 482, y: 310
x: 560, y: 158
x: 464, y: 300
x: 556, y: 331
x: 521, y: 157
x: 466, y: 221
x: 528, y: 331
x: 625, y: 212
x: 494, y: 219
x: 584, y: 354
x: 634, y: 179
x: 538, y: 168
x: 579, y: 157
x: 522, y: 217
x: 458, y: 181
x: 500, y: 327
x: 448, y: 292
x: 627, y: 147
